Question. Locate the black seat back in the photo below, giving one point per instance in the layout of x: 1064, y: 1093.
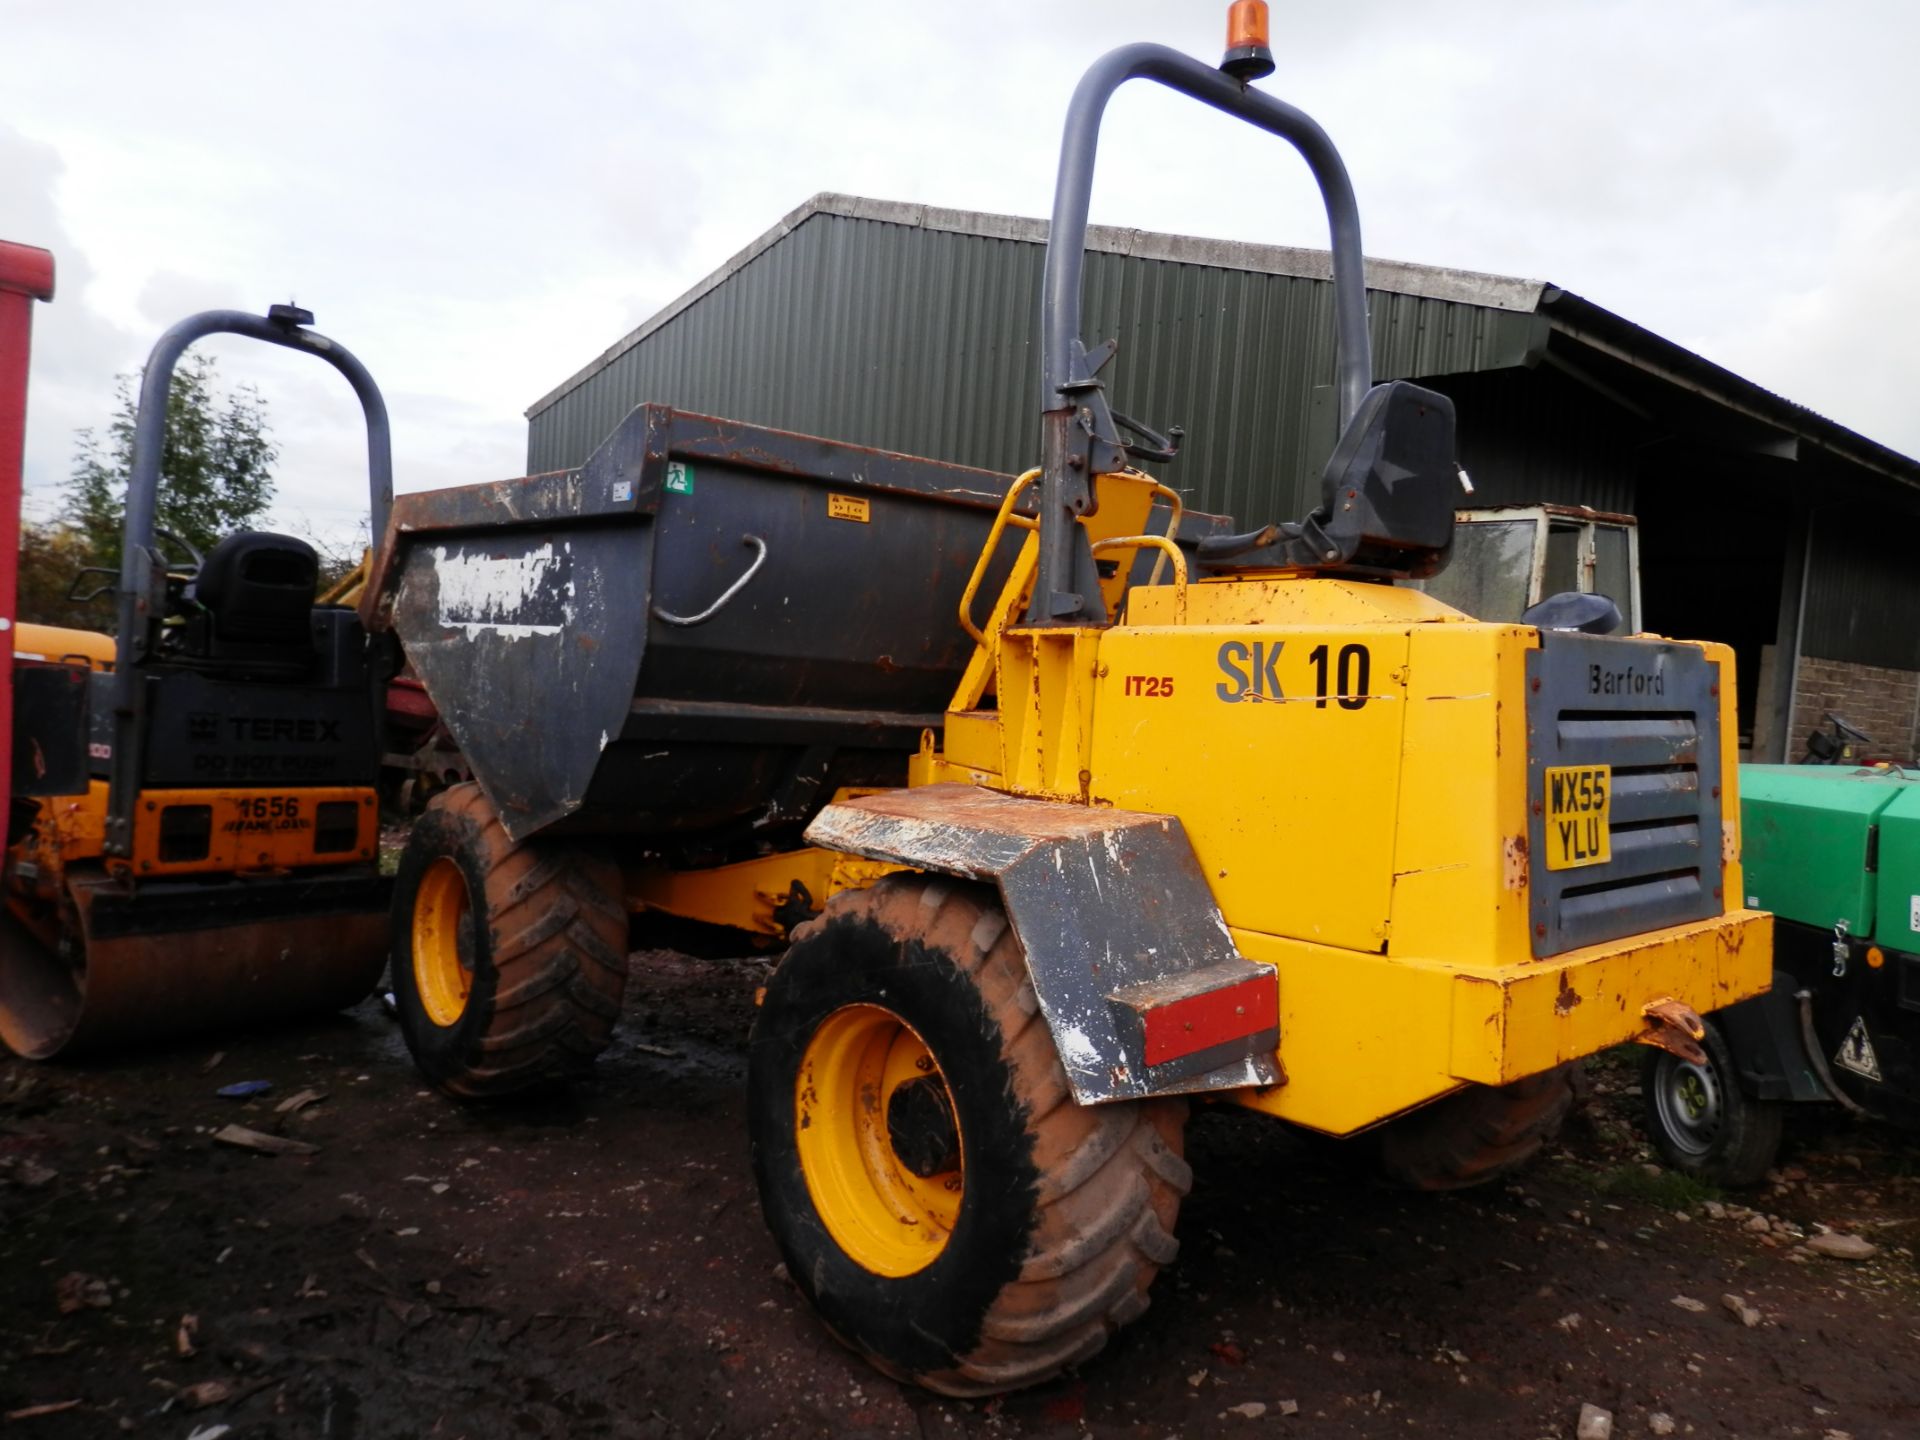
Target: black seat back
x: 258, y: 589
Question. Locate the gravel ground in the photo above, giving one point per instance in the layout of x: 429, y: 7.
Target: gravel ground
x: 593, y: 1263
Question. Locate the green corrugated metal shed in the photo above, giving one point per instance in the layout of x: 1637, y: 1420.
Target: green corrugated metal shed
x: 911, y: 328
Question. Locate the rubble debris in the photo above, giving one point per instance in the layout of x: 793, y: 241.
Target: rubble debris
x: 204, y: 1393
x: 76, y: 1291
x: 1746, y: 1314
x: 34, y: 1412
x: 244, y: 1089
x: 295, y: 1103
x: 245, y: 1139
x: 1836, y: 1246
x: 16, y: 1088
x: 1595, y: 1424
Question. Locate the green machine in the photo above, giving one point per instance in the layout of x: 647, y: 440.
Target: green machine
x: 1835, y: 855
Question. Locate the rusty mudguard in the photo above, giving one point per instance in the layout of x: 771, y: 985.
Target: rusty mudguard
x: 1139, y: 981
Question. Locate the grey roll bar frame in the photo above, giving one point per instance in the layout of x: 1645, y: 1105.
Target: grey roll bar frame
x: 1078, y: 438
x: 282, y: 325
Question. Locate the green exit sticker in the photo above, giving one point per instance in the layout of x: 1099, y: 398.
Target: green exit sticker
x: 679, y: 477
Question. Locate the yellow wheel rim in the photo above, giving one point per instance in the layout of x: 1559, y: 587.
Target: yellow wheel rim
x: 879, y: 1140
x: 443, y: 942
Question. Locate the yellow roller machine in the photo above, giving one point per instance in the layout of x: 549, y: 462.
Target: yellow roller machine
x: 192, y: 842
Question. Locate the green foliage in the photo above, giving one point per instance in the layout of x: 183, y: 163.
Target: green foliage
x: 216, y: 469
x: 1670, y: 1189
x: 50, y: 557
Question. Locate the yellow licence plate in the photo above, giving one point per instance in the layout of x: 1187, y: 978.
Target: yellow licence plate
x: 1578, y: 797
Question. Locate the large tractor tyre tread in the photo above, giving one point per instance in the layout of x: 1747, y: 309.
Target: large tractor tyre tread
x: 1702, y: 1123
x: 1480, y: 1134
x: 548, y: 953
x: 1068, y: 1211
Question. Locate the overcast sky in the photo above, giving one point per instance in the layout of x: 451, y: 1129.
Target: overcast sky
x: 478, y: 198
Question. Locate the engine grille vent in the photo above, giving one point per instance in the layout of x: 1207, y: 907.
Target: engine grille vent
x: 1648, y: 710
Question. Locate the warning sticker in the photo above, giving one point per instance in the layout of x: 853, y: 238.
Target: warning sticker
x: 679, y: 477
x: 1913, y: 912
x: 850, y: 507
x: 1856, y: 1051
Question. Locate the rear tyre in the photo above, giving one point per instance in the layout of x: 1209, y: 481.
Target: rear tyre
x: 1480, y: 1134
x: 1701, y: 1121
x: 509, y: 959
x: 949, y: 1209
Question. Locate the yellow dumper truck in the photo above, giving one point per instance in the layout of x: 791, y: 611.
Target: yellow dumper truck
x: 1073, y: 808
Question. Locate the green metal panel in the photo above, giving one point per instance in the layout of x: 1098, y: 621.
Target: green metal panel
x: 921, y: 339
x: 1807, y: 838
x: 1899, y: 906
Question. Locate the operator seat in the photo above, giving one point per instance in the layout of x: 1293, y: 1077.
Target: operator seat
x: 254, y: 597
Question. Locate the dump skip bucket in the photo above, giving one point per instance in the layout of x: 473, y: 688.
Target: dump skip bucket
x: 698, y: 635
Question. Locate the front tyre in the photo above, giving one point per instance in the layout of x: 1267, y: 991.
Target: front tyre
x: 1701, y: 1121
x: 509, y: 959
x: 949, y: 1209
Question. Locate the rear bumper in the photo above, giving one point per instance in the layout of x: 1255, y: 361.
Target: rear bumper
x: 1513, y: 1021
x: 1366, y: 1037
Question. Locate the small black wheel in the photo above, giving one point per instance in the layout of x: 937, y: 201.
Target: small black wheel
x: 1702, y: 1122
x: 509, y: 958
x: 948, y: 1208
x: 1478, y: 1134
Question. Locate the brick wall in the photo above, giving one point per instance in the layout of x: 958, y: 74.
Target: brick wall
x: 1884, y: 703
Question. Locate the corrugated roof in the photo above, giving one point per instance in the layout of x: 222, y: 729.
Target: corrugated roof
x: 1601, y: 329
x: 1431, y: 282
x: 1569, y: 314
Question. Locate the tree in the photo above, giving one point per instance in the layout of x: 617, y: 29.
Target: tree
x: 216, y: 468
x: 51, y: 556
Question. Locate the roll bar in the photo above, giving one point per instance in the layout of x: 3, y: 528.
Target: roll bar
x: 1079, y: 438
x: 139, y: 600
x: 281, y: 325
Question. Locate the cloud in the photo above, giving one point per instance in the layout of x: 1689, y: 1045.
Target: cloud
x: 1842, y: 342
x: 74, y: 347
x: 478, y: 200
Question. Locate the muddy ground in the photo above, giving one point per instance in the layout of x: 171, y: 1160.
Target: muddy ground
x: 594, y: 1264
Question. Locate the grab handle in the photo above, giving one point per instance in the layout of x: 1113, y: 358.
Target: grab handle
x: 759, y: 559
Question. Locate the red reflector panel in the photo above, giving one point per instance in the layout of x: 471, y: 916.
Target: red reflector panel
x: 1199, y: 1022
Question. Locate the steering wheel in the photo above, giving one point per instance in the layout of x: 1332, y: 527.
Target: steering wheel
x: 179, y: 575
x: 195, y: 560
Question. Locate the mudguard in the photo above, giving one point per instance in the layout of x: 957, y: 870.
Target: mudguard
x: 1138, y: 979
x: 1764, y: 1035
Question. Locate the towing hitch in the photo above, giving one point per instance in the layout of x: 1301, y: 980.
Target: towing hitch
x: 1674, y: 1028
